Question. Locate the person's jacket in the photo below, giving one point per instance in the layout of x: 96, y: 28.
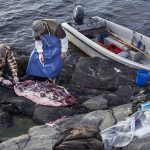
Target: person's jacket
x: 6, y: 56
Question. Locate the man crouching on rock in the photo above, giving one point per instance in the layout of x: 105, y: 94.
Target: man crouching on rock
x: 6, y: 56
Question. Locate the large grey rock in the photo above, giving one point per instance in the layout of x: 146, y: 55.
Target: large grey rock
x: 20, y: 104
x: 96, y: 103
x: 68, y: 69
x: 77, y: 120
x: 5, y: 93
x: 94, y: 76
x: 138, y: 144
x: 42, y: 138
x: 100, y: 118
x: 6, y: 120
x: 84, y: 93
x: 108, y: 119
x: 38, y: 138
x: 121, y: 112
x: 3, y: 139
x: 94, y: 73
x: 14, y: 104
x: 122, y: 95
x: 17, y: 143
x: 45, y: 114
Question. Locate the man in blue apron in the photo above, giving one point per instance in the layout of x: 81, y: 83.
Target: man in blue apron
x: 51, y: 45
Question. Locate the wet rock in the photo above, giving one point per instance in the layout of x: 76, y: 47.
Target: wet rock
x: 77, y: 120
x: 100, y: 118
x: 121, y: 112
x: 113, y: 99
x: 93, y: 73
x: 38, y: 138
x: 21, y: 105
x: 138, y: 144
x: 125, y: 90
x: 108, y: 119
x: 11, y: 108
x: 68, y: 69
x: 96, y: 103
x: 80, y: 91
x: 82, y: 98
x: 3, y: 139
x: 95, y: 76
x: 6, y: 120
x: 79, y: 109
x: 15, y: 143
x: 5, y: 93
x: 123, y: 95
x: 44, y: 114
x: 44, y: 137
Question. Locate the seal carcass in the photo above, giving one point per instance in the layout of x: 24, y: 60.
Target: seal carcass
x: 44, y: 93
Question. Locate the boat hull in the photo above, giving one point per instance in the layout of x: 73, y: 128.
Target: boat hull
x: 84, y: 46
x: 94, y: 50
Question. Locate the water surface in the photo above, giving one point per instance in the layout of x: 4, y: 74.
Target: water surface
x: 16, y: 16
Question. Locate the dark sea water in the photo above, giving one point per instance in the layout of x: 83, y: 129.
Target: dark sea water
x: 16, y: 16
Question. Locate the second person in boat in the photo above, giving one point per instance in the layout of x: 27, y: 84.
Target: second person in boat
x: 51, y: 45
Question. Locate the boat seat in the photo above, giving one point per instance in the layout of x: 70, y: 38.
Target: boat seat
x: 135, y: 56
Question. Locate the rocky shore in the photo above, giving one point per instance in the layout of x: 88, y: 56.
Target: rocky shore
x: 104, y: 89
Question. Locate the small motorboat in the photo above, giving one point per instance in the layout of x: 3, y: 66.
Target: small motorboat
x: 99, y: 37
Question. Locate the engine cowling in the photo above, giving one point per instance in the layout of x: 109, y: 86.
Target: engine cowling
x: 78, y: 14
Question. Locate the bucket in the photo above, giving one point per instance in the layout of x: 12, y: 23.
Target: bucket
x: 142, y: 77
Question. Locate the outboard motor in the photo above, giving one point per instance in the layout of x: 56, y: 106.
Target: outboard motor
x: 78, y: 14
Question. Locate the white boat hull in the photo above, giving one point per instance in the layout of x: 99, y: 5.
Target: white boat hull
x: 94, y: 50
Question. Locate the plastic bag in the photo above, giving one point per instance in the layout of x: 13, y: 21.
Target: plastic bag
x: 145, y: 106
x: 123, y: 132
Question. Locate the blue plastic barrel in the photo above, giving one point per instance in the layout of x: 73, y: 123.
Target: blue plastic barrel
x: 142, y: 77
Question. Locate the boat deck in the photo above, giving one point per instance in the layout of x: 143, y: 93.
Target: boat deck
x: 94, y: 33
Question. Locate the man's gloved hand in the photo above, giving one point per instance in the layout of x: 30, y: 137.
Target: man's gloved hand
x: 6, y: 82
x: 15, y: 79
x: 41, y: 58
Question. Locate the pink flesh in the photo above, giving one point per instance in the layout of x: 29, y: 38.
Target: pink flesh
x: 44, y: 93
